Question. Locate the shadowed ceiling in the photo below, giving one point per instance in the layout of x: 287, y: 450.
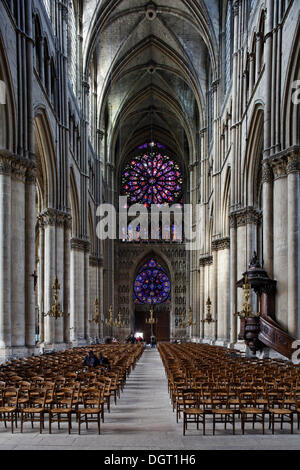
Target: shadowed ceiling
x: 149, y: 64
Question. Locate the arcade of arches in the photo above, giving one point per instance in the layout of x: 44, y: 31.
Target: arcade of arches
x: 167, y: 103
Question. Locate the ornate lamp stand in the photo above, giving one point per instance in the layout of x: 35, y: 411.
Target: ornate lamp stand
x: 110, y: 322
x: 96, y: 319
x: 246, y: 311
x: 151, y: 321
x: 55, y: 310
x: 209, y: 319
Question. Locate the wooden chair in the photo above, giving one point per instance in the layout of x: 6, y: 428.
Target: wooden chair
x: 9, y: 405
x: 180, y: 402
x: 49, y: 388
x: 249, y: 410
x: 36, y: 406
x: 192, y: 413
x: 23, y: 399
x: 62, y: 409
x: 101, y: 384
x: 222, y: 411
x: 93, y: 406
x: 280, y: 412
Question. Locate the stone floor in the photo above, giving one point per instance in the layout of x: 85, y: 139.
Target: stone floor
x: 143, y: 419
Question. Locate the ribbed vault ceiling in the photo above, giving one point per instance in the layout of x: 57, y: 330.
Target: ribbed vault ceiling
x: 150, y: 65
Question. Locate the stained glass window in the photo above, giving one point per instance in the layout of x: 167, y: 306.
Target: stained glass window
x: 152, y: 285
x: 152, y: 177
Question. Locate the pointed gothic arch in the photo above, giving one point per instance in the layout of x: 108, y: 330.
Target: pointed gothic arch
x: 7, y: 104
x: 46, y: 158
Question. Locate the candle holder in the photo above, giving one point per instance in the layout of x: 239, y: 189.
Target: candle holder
x: 246, y: 311
x: 151, y: 320
x: 183, y: 323
x: 110, y: 322
x: 209, y: 319
x: 190, y: 318
x: 96, y: 318
x: 120, y: 323
x: 55, y: 310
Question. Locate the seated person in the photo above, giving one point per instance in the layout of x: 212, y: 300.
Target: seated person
x: 103, y: 361
x: 91, y: 360
x: 131, y: 339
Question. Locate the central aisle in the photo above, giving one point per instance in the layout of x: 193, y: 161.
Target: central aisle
x: 143, y: 419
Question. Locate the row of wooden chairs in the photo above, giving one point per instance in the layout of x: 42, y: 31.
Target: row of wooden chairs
x: 32, y: 387
x: 208, y: 380
x: 87, y: 405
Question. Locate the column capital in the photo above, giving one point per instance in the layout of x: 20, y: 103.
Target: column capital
x: 279, y: 166
x: 220, y: 244
x: 235, y: 7
x: 293, y: 161
x: 20, y: 168
x: 245, y: 216
x: 80, y: 244
x: 205, y: 260
x: 267, y: 172
x: 5, y: 162
x: 54, y: 217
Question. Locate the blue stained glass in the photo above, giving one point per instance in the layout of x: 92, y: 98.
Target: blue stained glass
x: 152, y: 285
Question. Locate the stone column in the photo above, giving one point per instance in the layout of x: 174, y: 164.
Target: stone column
x: 221, y: 246
x: 41, y: 280
x: 225, y: 295
x: 215, y: 294
x: 53, y: 223
x: 86, y: 294
x: 67, y: 262
x: 93, y: 290
x: 267, y: 179
x: 293, y: 191
x: 233, y: 280
x: 18, y: 257
x: 78, y: 290
x: 5, y: 256
x: 279, y: 165
x: 202, y: 301
x: 30, y: 225
x: 49, y: 274
x: 206, y: 283
x: 59, y: 272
